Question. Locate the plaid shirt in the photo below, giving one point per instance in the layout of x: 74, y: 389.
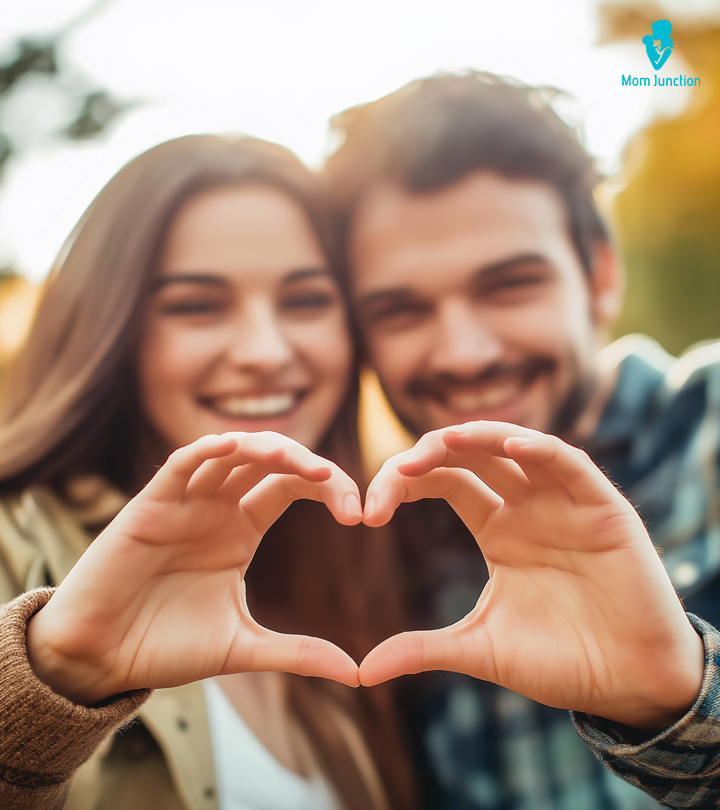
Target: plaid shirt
x: 482, y: 747
x: 681, y: 766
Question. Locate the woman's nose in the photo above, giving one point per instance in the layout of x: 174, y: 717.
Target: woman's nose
x: 257, y: 340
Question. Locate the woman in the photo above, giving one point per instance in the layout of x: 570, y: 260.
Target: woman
x: 197, y: 296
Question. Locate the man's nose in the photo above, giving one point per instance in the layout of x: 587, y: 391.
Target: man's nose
x: 258, y: 341
x: 464, y: 343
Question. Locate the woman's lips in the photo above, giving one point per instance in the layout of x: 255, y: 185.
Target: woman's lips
x: 254, y: 406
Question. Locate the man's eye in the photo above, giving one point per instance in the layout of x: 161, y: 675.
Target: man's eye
x: 307, y: 301
x: 512, y: 284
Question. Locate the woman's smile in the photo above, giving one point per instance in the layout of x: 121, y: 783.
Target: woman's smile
x: 246, y: 330
x: 254, y: 404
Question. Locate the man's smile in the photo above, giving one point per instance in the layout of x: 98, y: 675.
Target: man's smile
x: 475, y: 398
x: 490, y: 395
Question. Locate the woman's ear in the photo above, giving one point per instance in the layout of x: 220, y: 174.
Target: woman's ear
x: 607, y: 284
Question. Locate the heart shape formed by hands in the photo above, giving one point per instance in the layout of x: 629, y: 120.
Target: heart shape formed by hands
x: 158, y: 599
x: 578, y: 611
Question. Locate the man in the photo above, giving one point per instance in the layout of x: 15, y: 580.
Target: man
x: 485, y: 285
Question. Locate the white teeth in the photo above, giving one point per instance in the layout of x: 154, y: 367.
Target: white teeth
x: 474, y: 401
x: 269, y: 405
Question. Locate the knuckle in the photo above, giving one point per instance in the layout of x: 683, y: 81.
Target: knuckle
x: 177, y: 455
x: 418, y: 642
x: 554, y: 444
x: 304, y: 650
x: 390, y: 466
x: 582, y: 454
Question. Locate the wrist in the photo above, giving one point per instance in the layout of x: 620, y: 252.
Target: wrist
x: 71, y: 676
x: 674, y: 694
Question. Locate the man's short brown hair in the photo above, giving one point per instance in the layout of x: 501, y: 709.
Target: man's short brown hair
x: 432, y: 132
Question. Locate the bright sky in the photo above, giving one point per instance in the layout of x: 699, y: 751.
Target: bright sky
x: 278, y: 69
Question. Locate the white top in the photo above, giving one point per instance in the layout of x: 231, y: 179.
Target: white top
x: 248, y: 775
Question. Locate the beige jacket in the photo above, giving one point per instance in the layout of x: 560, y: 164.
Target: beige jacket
x: 163, y: 763
x: 55, y: 754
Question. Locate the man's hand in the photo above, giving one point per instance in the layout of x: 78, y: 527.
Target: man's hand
x: 158, y: 599
x: 578, y: 612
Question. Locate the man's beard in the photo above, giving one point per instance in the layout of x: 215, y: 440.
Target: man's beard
x: 572, y: 407
x: 565, y: 416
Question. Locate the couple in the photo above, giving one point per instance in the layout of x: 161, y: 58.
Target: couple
x: 214, y: 305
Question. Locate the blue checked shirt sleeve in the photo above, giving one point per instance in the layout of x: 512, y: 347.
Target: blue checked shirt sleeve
x: 680, y: 767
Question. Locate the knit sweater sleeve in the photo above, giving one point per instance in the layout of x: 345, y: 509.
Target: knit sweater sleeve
x: 44, y: 738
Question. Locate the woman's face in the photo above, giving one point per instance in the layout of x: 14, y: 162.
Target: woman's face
x: 246, y: 328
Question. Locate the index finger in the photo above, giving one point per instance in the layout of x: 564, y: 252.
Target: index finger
x: 502, y: 474
x: 171, y: 480
x: 542, y: 457
x: 467, y: 494
x: 266, y: 501
x: 256, y: 455
x: 585, y: 482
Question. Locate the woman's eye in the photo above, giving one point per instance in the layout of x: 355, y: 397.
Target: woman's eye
x: 194, y: 307
x: 307, y: 301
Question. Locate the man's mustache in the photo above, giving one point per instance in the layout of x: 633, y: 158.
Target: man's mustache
x: 440, y: 384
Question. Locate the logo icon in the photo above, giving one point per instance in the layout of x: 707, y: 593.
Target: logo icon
x: 659, y: 46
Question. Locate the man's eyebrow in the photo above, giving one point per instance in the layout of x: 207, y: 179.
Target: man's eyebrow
x: 188, y: 278
x: 381, y: 296
x: 496, y: 268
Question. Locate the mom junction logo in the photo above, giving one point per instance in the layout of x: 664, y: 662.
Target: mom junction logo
x: 659, y: 47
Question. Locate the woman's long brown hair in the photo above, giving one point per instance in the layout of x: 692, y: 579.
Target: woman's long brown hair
x: 70, y: 405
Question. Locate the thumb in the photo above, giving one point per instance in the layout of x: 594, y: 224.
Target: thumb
x: 302, y: 655
x: 408, y: 653
x: 455, y: 649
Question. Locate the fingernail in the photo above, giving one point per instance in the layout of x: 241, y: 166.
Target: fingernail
x: 369, y: 504
x: 518, y: 441
x: 352, y: 505
x: 466, y: 427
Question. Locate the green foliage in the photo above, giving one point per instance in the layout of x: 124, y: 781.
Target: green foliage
x: 96, y: 107
x: 668, y: 214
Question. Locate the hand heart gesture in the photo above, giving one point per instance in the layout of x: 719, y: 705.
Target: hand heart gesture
x: 158, y: 599
x: 578, y: 612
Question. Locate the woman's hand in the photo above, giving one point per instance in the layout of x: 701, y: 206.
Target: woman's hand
x: 158, y: 599
x: 578, y: 612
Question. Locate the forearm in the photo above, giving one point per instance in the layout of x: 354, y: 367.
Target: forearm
x: 681, y: 765
x: 44, y: 738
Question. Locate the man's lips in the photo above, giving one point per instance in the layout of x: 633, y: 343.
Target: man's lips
x: 475, y: 399
x: 256, y: 405
x: 489, y: 393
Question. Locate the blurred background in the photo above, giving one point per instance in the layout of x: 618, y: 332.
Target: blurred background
x: 85, y: 86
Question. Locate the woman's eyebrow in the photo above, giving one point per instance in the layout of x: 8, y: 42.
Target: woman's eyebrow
x: 307, y: 272
x: 189, y: 278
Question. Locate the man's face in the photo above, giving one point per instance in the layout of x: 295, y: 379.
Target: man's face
x: 474, y: 304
